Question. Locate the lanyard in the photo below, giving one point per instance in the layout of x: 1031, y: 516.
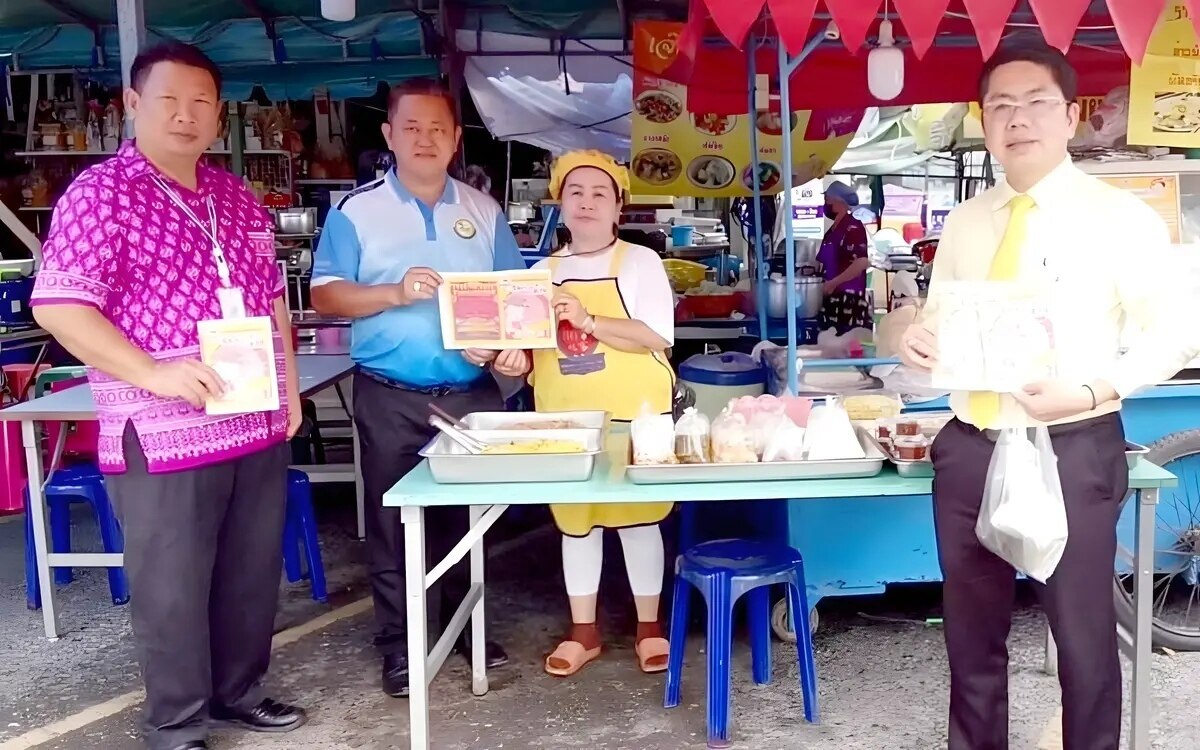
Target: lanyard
x: 210, y: 231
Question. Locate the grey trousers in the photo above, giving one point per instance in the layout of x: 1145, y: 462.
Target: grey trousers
x: 203, y: 552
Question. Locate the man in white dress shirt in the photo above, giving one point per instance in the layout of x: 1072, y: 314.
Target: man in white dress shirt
x: 1106, y: 256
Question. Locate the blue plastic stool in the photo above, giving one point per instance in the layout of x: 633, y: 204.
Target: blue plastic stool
x: 723, y: 570
x: 301, y: 547
x: 81, y: 482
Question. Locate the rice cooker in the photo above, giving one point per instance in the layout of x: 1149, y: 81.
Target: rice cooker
x: 717, y: 378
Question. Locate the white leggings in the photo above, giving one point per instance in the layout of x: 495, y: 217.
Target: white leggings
x: 584, y: 555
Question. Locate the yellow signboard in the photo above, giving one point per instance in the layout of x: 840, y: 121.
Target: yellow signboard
x: 674, y: 152
x: 1164, y: 91
x: 1159, y: 191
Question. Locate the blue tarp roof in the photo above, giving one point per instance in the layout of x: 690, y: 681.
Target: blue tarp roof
x: 306, y: 53
x: 350, y: 59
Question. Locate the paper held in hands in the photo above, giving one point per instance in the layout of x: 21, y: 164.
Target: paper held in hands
x: 241, y: 351
x: 992, y: 336
x: 497, y: 310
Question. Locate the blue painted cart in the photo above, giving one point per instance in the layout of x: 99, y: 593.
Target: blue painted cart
x: 856, y: 546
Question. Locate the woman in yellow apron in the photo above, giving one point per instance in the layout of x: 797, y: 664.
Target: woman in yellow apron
x: 616, y: 319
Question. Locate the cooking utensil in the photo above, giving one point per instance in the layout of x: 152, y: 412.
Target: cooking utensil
x: 458, y: 423
x: 470, y: 444
x: 809, y: 296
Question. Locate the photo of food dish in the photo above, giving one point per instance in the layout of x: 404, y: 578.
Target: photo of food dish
x: 657, y: 166
x: 658, y: 107
x: 1176, y: 112
x: 714, y: 124
x: 767, y: 172
x: 711, y: 172
x: 771, y: 123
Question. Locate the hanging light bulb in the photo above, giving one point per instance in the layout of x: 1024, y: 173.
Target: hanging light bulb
x: 885, y: 65
x: 337, y: 10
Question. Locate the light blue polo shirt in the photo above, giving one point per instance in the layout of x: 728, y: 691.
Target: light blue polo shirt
x: 378, y: 232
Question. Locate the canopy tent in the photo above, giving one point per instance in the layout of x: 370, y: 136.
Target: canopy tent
x: 947, y: 40
x: 276, y: 44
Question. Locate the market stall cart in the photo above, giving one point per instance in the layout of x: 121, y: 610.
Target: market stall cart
x: 608, y: 484
x: 75, y: 404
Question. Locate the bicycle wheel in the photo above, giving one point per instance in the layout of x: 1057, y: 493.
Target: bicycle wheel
x: 1176, y: 600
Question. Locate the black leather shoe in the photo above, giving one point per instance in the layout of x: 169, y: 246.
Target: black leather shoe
x: 395, y: 675
x: 268, y: 716
x: 193, y: 745
x: 493, y: 653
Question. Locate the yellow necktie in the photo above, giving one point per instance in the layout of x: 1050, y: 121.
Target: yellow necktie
x: 984, y: 406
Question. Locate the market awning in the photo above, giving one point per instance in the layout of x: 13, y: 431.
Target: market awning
x: 922, y: 20
x: 946, y: 55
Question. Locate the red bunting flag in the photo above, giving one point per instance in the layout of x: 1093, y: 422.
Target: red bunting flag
x: 921, y: 20
x: 854, y: 19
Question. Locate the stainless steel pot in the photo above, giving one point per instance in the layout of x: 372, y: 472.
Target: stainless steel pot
x: 296, y: 221
x: 809, y: 296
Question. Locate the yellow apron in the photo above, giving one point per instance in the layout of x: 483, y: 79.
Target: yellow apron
x: 585, y: 374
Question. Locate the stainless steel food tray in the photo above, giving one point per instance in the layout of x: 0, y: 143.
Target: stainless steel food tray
x: 841, y: 468
x: 508, y: 420
x: 924, y: 469
x: 449, y: 463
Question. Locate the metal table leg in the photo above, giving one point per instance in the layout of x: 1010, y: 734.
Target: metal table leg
x: 479, y: 678
x: 413, y: 518
x: 1143, y: 564
x: 359, y: 497
x: 37, y: 511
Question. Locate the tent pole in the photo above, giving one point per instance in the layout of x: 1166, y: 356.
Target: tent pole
x: 786, y: 68
x: 131, y: 34
x: 761, y: 268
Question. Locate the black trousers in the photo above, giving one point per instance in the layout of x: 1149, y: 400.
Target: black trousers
x: 1078, y: 599
x: 204, y: 553
x: 392, y: 427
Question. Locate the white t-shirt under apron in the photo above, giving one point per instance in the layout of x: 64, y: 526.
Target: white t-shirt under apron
x: 641, y: 280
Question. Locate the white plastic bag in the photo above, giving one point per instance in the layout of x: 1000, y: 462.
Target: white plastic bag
x: 1023, y: 518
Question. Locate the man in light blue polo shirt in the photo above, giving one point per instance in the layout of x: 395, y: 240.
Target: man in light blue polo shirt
x: 379, y: 260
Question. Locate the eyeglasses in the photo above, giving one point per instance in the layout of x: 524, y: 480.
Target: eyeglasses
x: 1004, y: 111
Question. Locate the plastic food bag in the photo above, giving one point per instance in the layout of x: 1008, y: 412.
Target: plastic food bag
x: 786, y: 443
x: 653, y: 438
x: 1023, y: 519
x: 830, y: 434
x: 692, y: 437
x: 732, y: 440
x: 765, y: 423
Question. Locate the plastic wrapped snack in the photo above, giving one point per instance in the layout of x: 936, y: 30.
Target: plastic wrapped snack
x: 692, y: 438
x: 786, y: 443
x: 732, y: 440
x: 653, y: 438
x: 764, y: 425
x: 830, y: 434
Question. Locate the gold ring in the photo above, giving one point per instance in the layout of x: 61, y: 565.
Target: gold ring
x: 416, y: 286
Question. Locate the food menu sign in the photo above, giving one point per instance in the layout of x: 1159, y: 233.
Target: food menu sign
x: 675, y: 152
x: 1164, y: 91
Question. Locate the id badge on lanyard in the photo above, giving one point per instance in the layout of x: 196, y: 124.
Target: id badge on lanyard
x: 233, y: 303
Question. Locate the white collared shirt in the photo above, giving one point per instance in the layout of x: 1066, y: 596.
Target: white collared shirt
x: 1108, y: 258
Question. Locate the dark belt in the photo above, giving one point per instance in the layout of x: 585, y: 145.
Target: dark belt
x: 431, y: 390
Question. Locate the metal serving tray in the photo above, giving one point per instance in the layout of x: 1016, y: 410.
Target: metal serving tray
x: 839, y: 468
x: 450, y: 463
x: 509, y: 420
x: 924, y: 469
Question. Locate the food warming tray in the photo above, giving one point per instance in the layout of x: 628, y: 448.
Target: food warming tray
x: 450, y: 463
x: 838, y: 468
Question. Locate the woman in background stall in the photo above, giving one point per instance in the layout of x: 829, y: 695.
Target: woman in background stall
x: 615, y: 310
x: 843, y: 256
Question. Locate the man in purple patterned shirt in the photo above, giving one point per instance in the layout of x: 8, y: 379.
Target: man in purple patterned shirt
x: 142, y: 248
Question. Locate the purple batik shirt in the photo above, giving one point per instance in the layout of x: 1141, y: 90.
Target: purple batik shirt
x: 117, y: 242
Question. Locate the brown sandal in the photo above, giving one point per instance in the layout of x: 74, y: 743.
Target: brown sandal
x: 569, y: 658
x: 652, y: 654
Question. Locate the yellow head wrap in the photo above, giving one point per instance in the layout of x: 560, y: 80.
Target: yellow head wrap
x: 587, y: 158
